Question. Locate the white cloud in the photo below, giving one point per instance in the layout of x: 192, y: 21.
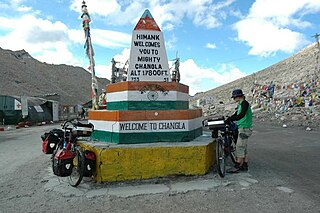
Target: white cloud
x: 171, y: 42
x: 194, y: 76
x: 47, y: 41
x: 107, y: 38
x: 271, y: 25
x: 16, y: 5
x: 7, y: 24
x: 33, y: 34
x: 104, y: 71
x: 282, y: 12
x: 99, y: 7
x: 24, y: 9
x: 211, y: 46
x: 58, y: 55
x: 267, y: 37
x: 168, y: 27
x: 51, y: 42
x: 123, y: 57
x: 205, y: 13
x: 103, y: 38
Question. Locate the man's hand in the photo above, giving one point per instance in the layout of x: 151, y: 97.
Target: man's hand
x: 228, y: 120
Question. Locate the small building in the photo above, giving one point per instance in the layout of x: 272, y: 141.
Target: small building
x: 14, y: 109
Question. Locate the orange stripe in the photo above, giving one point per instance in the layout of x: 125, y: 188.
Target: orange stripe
x: 133, y: 85
x: 142, y: 115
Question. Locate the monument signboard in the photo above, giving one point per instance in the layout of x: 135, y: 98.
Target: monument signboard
x: 148, y: 57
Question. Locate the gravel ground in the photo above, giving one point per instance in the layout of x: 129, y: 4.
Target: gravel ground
x: 263, y: 189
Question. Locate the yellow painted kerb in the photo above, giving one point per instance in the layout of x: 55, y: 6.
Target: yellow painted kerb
x: 145, y: 161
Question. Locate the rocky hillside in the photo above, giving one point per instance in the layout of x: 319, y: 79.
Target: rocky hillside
x: 286, y: 91
x: 20, y: 74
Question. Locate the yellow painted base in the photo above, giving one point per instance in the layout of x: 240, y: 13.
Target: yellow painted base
x: 144, y: 161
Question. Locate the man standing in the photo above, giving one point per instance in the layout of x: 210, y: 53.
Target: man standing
x: 243, y: 116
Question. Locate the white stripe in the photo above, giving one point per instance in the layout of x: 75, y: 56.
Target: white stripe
x: 215, y: 122
x: 147, y: 126
x: 147, y: 96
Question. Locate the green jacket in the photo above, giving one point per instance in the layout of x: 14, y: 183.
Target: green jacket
x: 243, y: 116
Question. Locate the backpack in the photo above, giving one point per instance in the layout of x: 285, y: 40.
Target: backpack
x: 89, y: 163
x: 62, y: 164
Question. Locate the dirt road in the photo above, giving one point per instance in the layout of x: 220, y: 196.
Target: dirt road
x: 283, y: 177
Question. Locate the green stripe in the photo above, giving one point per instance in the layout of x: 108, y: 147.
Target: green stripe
x: 148, y: 105
x: 147, y: 137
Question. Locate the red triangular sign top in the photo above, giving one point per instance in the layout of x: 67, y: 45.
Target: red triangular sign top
x: 147, y: 22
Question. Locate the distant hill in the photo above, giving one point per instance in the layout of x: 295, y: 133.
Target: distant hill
x: 301, y: 67
x: 20, y: 74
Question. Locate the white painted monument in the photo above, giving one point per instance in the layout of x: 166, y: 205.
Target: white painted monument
x: 148, y: 57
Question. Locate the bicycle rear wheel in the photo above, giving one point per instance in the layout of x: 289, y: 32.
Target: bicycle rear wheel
x: 78, y: 167
x: 220, y: 157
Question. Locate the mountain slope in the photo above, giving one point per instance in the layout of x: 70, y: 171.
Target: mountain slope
x: 20, y: 74
x: 301, y: 67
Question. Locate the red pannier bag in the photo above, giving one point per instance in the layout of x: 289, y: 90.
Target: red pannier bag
x: 89, y: 163
x: 49, y: 143
x: 62, y: 164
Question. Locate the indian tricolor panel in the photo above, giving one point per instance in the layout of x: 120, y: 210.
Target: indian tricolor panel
x: 146, y: 126
x: 147, y: 96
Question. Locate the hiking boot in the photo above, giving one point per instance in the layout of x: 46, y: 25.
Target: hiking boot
x: 244, y: 167
x: 235, y: 169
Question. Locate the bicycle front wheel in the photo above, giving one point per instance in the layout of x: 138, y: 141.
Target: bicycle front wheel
x: 78, y: 167
x: 220, y: 157
x: 233, y: 155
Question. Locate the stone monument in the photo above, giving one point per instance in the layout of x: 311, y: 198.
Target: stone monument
x: 149, y: 107
x: 147, y: 129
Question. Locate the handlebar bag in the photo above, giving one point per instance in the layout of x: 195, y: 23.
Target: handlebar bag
x: 216, y: 123
x: 83, y: 130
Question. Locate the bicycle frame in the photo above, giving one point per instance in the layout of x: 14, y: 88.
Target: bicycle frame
x: 229, y: 136
x: 224, y: 135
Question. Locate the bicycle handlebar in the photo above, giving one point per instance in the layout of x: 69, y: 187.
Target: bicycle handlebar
x: 71, y: 121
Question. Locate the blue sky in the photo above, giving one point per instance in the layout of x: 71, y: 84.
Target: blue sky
x: 217, y: 41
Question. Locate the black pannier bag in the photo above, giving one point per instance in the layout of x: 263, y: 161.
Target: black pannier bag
x: 57, y: 132
x: 50, y: 140
x: 89, y: 163
x: 49, y: 144
x: 82, y: 130
x: 62, y: 164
